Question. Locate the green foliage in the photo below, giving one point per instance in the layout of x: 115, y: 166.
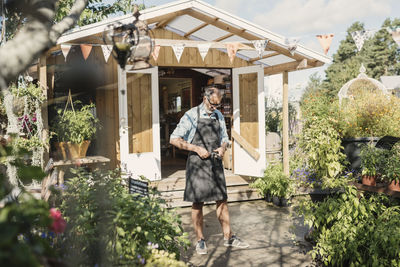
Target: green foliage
x: 273, y: 117
x: 108, y: 226
x: 32, y: 91
x: 322, y: 147
x: 163, y: 258
x: 370, y: 114
x: 391, y: 169
x: 75, y: 126
x: 379, y: 55
x: 351, y: 229
x: 22, y: 221
x: 372, y: 160
x: 274, y: 182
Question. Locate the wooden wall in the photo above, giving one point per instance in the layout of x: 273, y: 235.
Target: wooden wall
x: 107, y: 142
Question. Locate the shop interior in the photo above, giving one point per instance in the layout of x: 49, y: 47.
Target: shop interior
x: 180, y: 89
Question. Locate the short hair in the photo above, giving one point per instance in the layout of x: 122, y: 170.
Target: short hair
x: 210, y: 90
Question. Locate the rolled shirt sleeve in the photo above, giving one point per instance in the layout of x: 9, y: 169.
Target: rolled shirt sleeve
x: 223, y: 133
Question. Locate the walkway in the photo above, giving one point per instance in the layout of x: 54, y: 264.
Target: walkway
x: 268, y: 230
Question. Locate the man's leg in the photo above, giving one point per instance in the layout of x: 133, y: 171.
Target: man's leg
x: 197, y: 218
x: 223, y: 217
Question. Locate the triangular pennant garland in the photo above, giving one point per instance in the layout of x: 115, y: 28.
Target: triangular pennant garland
x: 232, y: 49
x: 292, y: 44
x: 65, y: 50
x: 86, y: 48
x: 325, y: 40
x: 395, y: 35
x: 107, y: 49
x: 260, y: 45
x: 178, y: 50
x: 360, y: 37
x: 156, y: 52
x: 203, y: 49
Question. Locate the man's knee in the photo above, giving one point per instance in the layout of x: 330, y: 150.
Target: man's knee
x: 197, y: 205
x: 219, y: 202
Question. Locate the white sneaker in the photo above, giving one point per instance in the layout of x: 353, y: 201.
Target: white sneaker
x: 201, y: 247
x: 234, y: 241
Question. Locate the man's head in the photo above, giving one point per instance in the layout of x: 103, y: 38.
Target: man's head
x: 212, y: 99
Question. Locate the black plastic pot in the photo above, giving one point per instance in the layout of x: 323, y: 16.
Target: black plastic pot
x: 285, y: 202
x: 352, y: 148
x: 276, y: 200
x: 268, y: 197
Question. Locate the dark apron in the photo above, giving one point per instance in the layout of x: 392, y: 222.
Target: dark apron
x: 205, y: 179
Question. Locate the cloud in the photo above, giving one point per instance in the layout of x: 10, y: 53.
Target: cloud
x: 301, y: 16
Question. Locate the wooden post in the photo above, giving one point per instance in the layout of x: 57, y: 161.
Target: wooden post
x: 42, y: 76
x: 285, y: 118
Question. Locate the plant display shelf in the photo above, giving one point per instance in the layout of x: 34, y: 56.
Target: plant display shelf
x: 380, y: 188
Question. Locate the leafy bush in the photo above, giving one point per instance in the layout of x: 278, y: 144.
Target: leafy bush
x: 351, y: 229
x: 322, y: 147
x: 274, y: 182
x: 108, y: 226
x: 372, y: 160
x: 273, y: 117
x: 163, y: 258
x: 391, y: 168
x: 370, y: 114
x: 22, y: 221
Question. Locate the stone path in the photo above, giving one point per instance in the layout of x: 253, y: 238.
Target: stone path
x: 268, y: 230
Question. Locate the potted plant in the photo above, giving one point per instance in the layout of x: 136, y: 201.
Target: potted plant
x: 372, y: 161
x: 75, y: 129
x: 392, y: 168
x: 275, y: 185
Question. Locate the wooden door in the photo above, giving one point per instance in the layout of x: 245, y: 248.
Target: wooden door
x: 248, y: 121
x: 139, y: 122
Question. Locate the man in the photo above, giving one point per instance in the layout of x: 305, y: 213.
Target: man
x: 202, y: 132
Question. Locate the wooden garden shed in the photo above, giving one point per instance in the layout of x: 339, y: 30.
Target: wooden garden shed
x: 138, y: 109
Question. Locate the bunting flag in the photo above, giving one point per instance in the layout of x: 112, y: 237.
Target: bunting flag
x: 395, y: 35
x: 292, y: 44
x: 178, y: 50
x: 232, y: 49
x: 260, y: 45
x: 156, y: 52
x: 107, y: 49
x: 360, y: 37
x: 86, y: 48
x: 325, y: 40
x: 65, y: 50
x: 203, y: 49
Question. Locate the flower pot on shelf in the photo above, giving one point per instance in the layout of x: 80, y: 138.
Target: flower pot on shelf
x: 77, y: 151
x: 62, y: 150
x: 268, y: 197
x: 394, y: 186
x: 276, y: 200
x: 369, y: 180
x: 285, y: 202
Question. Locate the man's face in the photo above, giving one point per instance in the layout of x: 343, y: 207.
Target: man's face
x: 212, y: 103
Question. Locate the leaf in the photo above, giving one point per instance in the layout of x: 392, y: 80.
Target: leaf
x: 120, y: 231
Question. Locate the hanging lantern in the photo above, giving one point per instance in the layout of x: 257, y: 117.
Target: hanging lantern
x: 130, y: 42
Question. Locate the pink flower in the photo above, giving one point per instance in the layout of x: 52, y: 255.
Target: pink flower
x: 59, y: 224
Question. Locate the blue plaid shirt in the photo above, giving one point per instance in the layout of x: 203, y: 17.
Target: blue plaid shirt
x: 188, y: 124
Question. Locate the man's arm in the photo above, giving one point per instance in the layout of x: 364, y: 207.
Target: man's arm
x: 182, y: 144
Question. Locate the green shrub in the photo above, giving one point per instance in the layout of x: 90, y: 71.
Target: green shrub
x: 322, y: 146
x: 352, y: 229
x: 274, y: 182
x: 108, y: 226
x: 372, y: 160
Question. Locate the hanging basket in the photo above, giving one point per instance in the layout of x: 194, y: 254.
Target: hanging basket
x: 77, y: 151
x: 62, y: 150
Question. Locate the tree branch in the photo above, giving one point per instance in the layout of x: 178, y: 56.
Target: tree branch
x: 35, y: 37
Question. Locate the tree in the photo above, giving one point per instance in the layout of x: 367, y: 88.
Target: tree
x: 379, y: 55
x: 35, y: 26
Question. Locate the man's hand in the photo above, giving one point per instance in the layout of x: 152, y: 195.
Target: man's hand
x: 202, y: 152
x: 220, y: 151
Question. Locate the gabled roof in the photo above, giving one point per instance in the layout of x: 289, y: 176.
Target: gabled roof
x: 200, y: 21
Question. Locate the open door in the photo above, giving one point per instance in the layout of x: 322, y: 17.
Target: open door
x: 139, y: 126
x: 248, y: 121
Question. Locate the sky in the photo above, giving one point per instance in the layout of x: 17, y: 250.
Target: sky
x: 307, y: 18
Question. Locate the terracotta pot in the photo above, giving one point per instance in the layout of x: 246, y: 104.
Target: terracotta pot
x: 369, y: 180
x: 62, y: 150
x: 394, y: 186
x: 77, y: 151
